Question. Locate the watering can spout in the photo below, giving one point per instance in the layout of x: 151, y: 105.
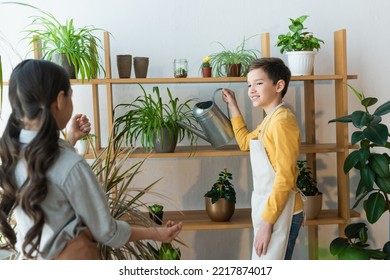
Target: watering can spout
x: 193, y: 130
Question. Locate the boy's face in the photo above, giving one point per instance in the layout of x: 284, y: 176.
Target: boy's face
x: 262, y: 92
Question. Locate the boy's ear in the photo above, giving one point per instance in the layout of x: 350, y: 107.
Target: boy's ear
x: 280, y: 85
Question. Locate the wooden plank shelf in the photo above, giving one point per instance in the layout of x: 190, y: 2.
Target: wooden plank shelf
x: 198, y: 219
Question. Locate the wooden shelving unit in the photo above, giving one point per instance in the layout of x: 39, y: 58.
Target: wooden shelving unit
x: 197, y: 219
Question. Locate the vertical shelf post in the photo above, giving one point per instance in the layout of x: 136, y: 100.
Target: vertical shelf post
x: 341, y: 101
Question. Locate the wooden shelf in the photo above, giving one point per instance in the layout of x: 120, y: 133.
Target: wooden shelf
x: 198, y: 219
x: 196, y: 80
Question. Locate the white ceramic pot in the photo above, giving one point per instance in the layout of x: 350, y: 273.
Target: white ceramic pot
x: 81, y: 147
x: 301, y: 62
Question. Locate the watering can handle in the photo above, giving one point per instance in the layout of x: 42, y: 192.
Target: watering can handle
x: 227, y: 105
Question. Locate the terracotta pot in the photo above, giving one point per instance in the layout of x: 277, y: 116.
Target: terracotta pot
x: 206, y: 72
x: 123, y: 62
x: 220, y: 211
x: 312, y: 206
x: 233, y: 70
x: 141, y: 65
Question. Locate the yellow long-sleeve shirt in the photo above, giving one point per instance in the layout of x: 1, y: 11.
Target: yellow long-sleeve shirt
x: 281, y: 141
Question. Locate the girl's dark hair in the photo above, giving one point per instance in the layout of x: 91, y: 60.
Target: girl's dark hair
x: 33, y: 87
x: 275, y: 68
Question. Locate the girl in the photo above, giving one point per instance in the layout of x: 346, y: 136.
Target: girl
x: 51, y: 190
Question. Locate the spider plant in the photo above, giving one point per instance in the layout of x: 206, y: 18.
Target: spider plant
x: 147, y: 116
x: 116, y: 176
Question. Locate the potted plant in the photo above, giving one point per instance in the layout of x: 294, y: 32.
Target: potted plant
x: 232, y: 63
x: 311, y: 196
x: 166, y: 252
x: 372, y: 138
x: 299, y: 46
x: 83, y: 143
x: 154, y: 122
x: 354, y: 245
x: 156, y: 213
x: 206, y: 67
x: 220, y: 200
x: 77, y: 49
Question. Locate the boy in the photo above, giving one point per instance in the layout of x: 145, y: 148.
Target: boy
x: 274, y: 148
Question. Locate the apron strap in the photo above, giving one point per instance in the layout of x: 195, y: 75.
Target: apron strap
x: 269, y: 117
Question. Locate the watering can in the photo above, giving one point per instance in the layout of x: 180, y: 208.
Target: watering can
x: 217, y: 128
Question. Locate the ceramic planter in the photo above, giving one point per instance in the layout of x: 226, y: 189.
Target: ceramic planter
x: 301, y: 62
x: 166, y: 143
x: 141, y: 65
x: 82, y: 147
x: 220, y: 211
x: 60, y: 59
x: 312, y: 206
x: 124, y: 62
x: 157, y: 218
x: 233, y: 70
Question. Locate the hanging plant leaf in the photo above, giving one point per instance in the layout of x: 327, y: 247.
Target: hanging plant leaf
x: 377, y: 133
x: 351, y: 160
x: 383, y: 109
x: 383, y: 183
x: 361, y: 118
x: 378, y: 163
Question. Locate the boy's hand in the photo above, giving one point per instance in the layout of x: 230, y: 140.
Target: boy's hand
x: 262, y: 238
x: 229, y: 97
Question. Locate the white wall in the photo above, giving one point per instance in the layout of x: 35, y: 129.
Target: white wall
x: 164, y: 30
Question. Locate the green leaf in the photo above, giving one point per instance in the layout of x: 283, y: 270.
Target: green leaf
x: 375, y: 206
x: 357, y: 136
x: 383, y: 109
x: 338, y: 245
x: 369, y: 101
x: 354, y: 253
x: 378, y: 163
x: 353, y: 230
x: 386, y: 249
x: 345, y: 119
x: 361, y: 118
x: 359, y: 95
x: 351, y: 160
x: 383, y: 183
x: 377, y: 133
x: 367, y: 177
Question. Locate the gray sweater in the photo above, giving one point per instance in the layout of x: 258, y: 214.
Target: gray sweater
x: 75, y: 200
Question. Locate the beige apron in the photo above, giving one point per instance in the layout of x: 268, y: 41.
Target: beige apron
x: 263, y: 181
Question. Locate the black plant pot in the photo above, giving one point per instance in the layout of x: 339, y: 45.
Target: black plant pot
x: 157, y: 218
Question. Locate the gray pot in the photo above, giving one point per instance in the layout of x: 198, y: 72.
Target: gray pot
x: 165, y: 142
x: 123, y: 62
x: 60, y: 59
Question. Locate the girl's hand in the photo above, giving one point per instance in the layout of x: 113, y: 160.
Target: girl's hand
x: 78, y: 127
x: 169, y: 232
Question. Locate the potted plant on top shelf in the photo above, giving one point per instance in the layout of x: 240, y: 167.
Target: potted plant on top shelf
x: 311, y: 196
x: 300, y: 47
x: 206, y: 67
x: 154, y: 122
x: 220, y: 200
x: 232, y: 63
x: 76, y: 49
x: 373, y: 166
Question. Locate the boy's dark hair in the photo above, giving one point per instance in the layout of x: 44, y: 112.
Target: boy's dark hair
x: 33, y: 86
x: 275, y: 69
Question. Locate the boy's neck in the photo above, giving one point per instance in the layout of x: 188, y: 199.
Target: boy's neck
x: 272, y: 106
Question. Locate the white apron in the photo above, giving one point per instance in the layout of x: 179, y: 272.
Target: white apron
x: 263, y: 181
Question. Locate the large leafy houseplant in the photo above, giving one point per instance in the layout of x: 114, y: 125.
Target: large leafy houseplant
x: 372, y: 138
x: 298, y: 39
x: 148, y: 116
x: 305, y: 181
x: 80, y: 46
x: 222, y: 61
